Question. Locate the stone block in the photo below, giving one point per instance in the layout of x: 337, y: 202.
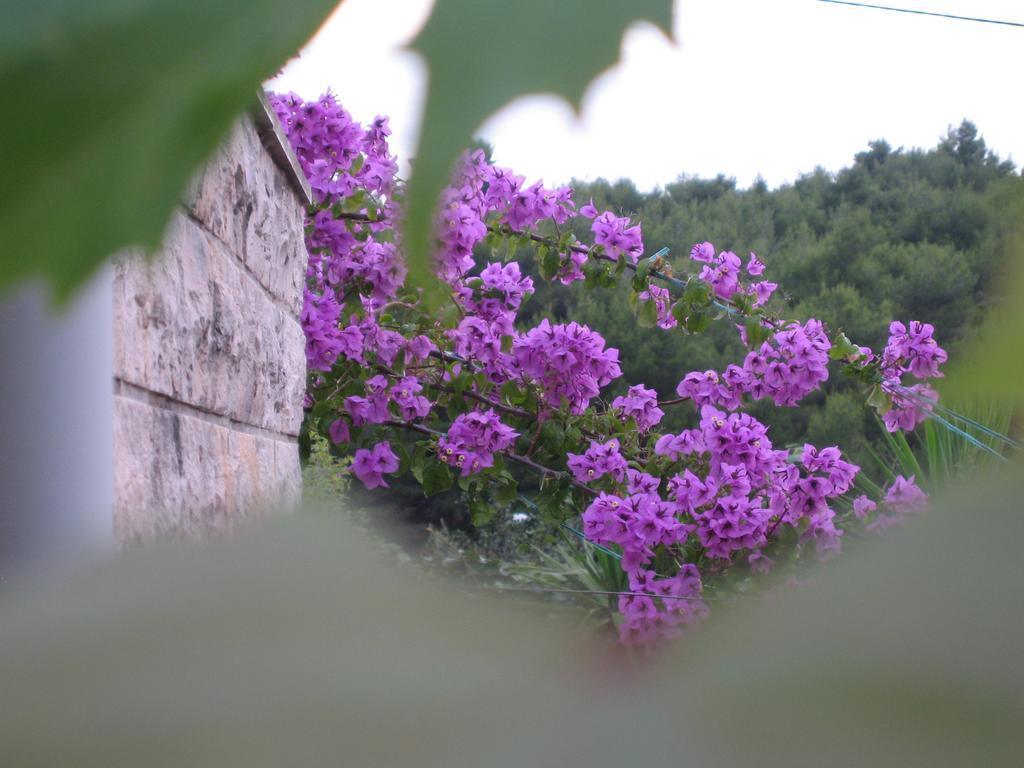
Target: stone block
x: 249, y: 203
x: 194, y: 326
x: 177, y: 474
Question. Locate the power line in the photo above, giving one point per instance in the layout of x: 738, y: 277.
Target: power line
x: 925, y: 13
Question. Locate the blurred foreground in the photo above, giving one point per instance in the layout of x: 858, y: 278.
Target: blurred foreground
x: 302, y: 642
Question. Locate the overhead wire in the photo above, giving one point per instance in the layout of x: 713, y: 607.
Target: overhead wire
x: 924, y: 13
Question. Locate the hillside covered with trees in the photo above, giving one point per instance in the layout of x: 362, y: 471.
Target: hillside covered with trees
x: 899, y: 234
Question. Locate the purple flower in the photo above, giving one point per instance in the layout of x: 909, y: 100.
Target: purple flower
x: 905, y: 497
x: 496, y: 294
x: 473, y: 439
x: 723, y: 274
x: 662, y: 303
x: 862, y: 506
x: 372, y: 409
x: 675, y: 446
x: 792, y: 365
x: 762, y: 292
x: 704, y: 252
x: 405, y: 394
x: 641, y: 482
x: 338, y: 431
x: 617, y: 236
x: 370, y: 466
x: 641, y: 404
x: 910, y: 405
x: 569, y: 362
x: 912, y: 349
x: 600, y: 459
x: 418, y: 349
x: 708, y: 388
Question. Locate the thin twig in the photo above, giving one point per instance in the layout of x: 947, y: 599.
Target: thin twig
x: 526, y: 462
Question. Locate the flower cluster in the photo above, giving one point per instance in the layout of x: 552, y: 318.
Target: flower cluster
x: 730, y: 488
x: 680, y: 508
x: 568, y: 361
x: 496, y: 295
x: 640, y: 404
x: 912, y: 350
x: 339, y: 157
x: 662, y: 299
x: 616, y: 234
x: 902, y: 499
x: 370, y: 466
x: 473, y: 439
x: 786, y: 369
x: 480, y: 192
x: 639, y: 523
x: 723, y: 273
x: 600, y: 459
x: 792, y: 365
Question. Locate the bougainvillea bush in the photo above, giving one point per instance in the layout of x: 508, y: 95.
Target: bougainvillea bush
x: 462, y: 394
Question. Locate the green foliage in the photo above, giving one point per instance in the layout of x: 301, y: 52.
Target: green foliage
x: 993, y: 368
x: 472, y: 75
x: 522, y: 552
x: 325, y: 477
x: 584, y: 571
x: 117, y: 104
x: 842, y: 420
x: 899, y: 234
x: 943, y: 456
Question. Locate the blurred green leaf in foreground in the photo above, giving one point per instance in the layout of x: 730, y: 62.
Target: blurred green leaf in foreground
x: 994, y: 368
x: 481, y: 54
x: 110, y: 106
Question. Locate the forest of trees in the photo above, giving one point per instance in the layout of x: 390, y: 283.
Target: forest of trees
x: 897, y: 235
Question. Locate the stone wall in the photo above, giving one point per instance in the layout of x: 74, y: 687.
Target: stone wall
x: 209, y: 361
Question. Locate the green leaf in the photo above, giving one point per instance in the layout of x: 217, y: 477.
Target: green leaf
x: 552, y: 501
x: 404, y: 457
x: 647, y: 317
x: 880, y: 401
x: 511, y: 393
x: 594, y: 273
x: 842, y: 348
x: 549, y: 260
x: 641, y: 277
x: 506, y: 491
x: 697, y: 292
x: 742, y: 302
x: 680, y: 310
x: 437, y: 478
x: 552, y: 436
x: 418, y: 463
x: 482, y: 513
x: 118, y: 103
x: 565, y: 44
x: 756, y: 333
x: 698, y: 322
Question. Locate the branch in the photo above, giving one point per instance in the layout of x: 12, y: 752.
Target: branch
x: 723, y: 304
x: 511, y: 410
x: 526, y: 462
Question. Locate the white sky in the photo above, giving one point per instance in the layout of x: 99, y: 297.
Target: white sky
x: 769, y: 87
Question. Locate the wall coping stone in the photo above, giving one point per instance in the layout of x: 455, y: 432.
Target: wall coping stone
x: 279, y: 148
